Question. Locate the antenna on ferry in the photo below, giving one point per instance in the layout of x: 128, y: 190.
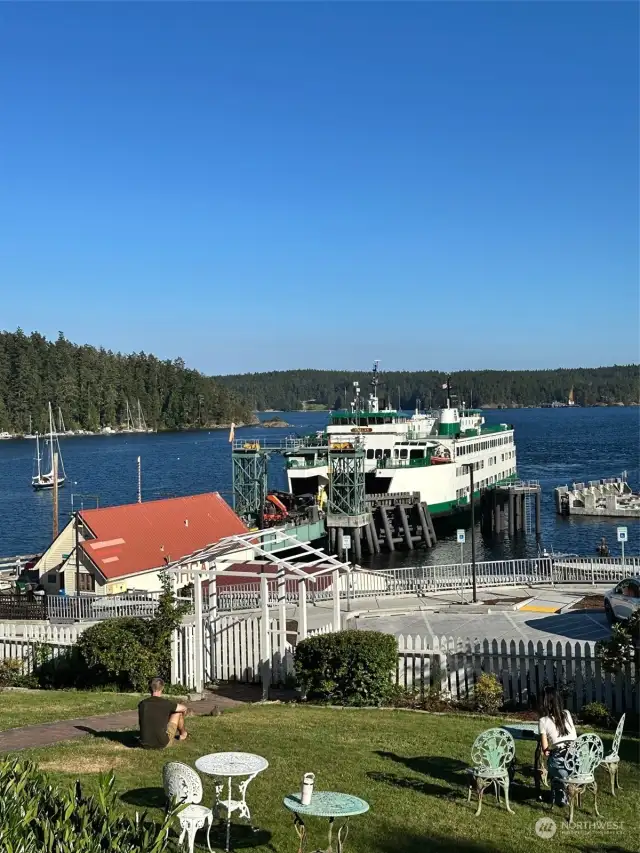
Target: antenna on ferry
x: 373, y: 397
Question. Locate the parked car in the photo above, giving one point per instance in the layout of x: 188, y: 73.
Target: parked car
x: 621, y: 601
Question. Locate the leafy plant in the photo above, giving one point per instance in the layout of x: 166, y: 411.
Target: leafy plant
x: 11, y: 672
x: 623, y: 646
x: 348, y: 667
x: 597, y: 714
x: 35, y: 817
x: 487, y: 697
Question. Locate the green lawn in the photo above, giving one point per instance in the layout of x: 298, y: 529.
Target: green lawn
x: 409, y: 767
x: 18, y: 708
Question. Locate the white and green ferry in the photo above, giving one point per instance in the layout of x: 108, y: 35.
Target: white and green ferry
x: 425, y: 452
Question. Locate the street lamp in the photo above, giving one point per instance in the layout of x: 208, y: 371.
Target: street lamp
x: 470, y: 466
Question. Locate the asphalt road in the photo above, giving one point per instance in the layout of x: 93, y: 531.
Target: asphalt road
x: 581, y: 625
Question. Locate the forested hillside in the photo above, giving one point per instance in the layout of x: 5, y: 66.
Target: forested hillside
x: 91, y: 387
x: 287, y: 389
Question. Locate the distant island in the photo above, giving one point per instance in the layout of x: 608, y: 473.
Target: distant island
x: 275, y: 422
x: 93, y: 387
x: 313, y: 390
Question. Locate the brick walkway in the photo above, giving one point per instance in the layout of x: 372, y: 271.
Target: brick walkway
x: 48, y: 734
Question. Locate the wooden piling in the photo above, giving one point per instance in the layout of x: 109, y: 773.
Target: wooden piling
x: 405, y: 526
x: 426, y: 535
x: 356, y: 533
x: 387, y: 528
x: 432, y: 530
x: 368, y: 534
x: 339, y: 545
x: 374, y: 535
x: 538, y: 512
x: 512, y: 513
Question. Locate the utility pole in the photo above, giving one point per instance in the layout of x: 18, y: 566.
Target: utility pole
x: 139, y: 481
x: 54, y: 471
x: 470, y: 465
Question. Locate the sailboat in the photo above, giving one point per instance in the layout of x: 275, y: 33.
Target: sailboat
x: 62, y: 431
x: 129, y: 425
x: 44, y: 478
x: 30, y: 434
x: 141, y: 424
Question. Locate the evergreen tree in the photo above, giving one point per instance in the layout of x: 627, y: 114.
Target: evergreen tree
x: 92, y: 386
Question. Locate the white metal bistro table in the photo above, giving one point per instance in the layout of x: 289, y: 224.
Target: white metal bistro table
x: 329, y: 804
x: 229, y: 766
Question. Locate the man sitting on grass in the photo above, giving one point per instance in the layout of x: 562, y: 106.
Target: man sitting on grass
x: 161, y: 720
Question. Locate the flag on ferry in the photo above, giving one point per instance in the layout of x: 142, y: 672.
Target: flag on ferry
x: 232, y: 431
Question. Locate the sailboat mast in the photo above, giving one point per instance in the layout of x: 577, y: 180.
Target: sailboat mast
x: 38, y: 454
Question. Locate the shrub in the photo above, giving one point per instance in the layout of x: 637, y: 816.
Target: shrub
x: 11, y: 673
x: 623, y: 646
x: 597, y: 714
x: 123, y: 652
x: 35, y: 817
x: 487, y: 697
x: 348, y: 667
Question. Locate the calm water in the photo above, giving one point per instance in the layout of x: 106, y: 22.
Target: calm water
x: 555, y: 446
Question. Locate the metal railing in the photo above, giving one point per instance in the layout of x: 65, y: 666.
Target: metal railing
x: 93, y: 608
x: 423, y: 580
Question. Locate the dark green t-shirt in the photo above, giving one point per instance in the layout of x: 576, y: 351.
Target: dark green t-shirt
x: 153, y: 716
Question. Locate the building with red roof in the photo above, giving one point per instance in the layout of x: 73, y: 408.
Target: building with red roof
x: 124, y: 548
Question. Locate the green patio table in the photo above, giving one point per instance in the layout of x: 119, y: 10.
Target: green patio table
x: 329, y: 804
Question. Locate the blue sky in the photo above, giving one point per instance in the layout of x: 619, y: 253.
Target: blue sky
x: 270, y: 186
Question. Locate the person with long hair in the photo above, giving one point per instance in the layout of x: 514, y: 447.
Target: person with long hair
x: 557, y: 733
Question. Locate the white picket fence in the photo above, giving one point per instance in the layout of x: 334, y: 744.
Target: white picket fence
x: 453, y: 665
x: 20, y: 641
x: 233, y: 651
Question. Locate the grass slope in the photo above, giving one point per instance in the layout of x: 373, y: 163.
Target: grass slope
x: 409, y: 767
x: 27, y: 708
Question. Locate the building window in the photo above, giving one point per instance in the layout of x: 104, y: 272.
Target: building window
x: 52, y: 578
x: 86, y: 583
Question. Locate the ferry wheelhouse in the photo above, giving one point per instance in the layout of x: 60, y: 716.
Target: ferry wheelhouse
x: 425, y: 452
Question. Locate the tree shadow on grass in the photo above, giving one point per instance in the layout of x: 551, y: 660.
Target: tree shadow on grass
x: 437, y: 766
x: 412, y: 843
x: 413, y: 784
x: 243, y: 837
x: 128, y: 738
x: 146, y: 798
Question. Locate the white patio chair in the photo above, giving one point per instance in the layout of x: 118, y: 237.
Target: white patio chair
x: 183, y: 785
x: 492, y: 754
x: 581, y: 760
x: 612, y: 760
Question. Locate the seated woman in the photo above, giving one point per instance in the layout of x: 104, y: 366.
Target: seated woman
x: 161, y: 720
x: 557, y: 732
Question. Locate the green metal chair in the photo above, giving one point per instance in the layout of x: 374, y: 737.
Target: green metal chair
x: 612, y: 760
x: 492, y: 754
x: 581, y: 760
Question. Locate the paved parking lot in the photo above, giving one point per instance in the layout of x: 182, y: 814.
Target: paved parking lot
x: 515, y: 625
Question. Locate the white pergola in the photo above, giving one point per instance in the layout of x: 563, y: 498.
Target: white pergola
x: 280, y: 557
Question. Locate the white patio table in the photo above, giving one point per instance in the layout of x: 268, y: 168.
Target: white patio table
x: 232, y: 766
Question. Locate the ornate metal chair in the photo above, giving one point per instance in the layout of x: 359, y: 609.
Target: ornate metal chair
x: 612, y: 760
x: 492, y: 754
x: 581, y: 760
x: 182, y: 785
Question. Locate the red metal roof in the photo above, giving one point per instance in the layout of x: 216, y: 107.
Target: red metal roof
x: 135, y: 538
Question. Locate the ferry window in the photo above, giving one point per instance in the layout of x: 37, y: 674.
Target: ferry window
x: 387, y: 453
x: 395, y: 453
x: 370, y: 453
x: 403, y: 453
x: 378, y: 453
x: 416, y: 454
